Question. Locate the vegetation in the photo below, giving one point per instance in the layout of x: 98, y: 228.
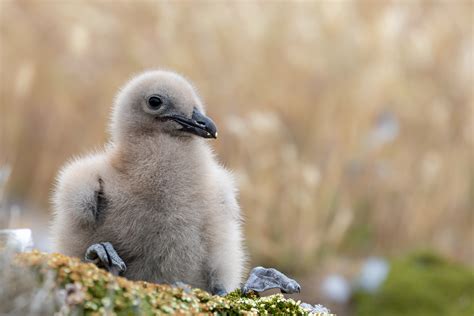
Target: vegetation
x: 69, y: 286
x: 421, y: 284
x: 348, y: 124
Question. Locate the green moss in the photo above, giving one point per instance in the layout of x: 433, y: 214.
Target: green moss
x: 421, y: 284
x: 87, y: 290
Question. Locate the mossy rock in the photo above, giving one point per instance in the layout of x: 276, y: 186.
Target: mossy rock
x: 71, y: 287
x: 421, y: 284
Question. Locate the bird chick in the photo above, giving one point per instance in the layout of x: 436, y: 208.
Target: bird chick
x: 155, y: 197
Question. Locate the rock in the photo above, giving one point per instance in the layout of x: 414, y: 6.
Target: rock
x: 69, y: 286
x: 316, y: 309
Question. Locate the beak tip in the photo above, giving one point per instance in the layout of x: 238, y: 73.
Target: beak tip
x: 211, y: 135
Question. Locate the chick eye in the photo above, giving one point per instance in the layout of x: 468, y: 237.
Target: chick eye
x: 155, y: 102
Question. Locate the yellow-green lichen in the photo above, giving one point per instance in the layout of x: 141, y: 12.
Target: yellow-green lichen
x: 88, y: 290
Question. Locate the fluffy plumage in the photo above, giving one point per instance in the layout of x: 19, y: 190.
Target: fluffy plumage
x: 156, y: 193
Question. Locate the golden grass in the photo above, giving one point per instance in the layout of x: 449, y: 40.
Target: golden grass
x: 350, y: 126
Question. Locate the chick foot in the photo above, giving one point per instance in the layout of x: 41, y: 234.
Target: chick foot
x: 104, y: 256
x: 219, y: 290
x: 262, y: 279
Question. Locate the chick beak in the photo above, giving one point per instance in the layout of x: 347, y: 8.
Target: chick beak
x: 199, y: 124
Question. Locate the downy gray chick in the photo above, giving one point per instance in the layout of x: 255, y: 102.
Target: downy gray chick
x: 155, y: 205
x: 156, y: 193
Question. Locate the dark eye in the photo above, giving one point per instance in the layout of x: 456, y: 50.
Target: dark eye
x: 155, y: 102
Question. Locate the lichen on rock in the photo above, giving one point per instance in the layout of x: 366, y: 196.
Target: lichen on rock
x: 70, y: 286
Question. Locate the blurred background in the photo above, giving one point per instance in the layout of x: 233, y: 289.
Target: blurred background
x: 349, y: 125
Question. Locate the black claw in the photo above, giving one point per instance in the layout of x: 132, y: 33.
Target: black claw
x: 105, y: 256
x: 220, y: 293
x: 219, y: 290
x: 262, y: 279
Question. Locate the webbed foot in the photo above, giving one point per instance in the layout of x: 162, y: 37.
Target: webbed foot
x: 262, y: 279
x: 105, y: 256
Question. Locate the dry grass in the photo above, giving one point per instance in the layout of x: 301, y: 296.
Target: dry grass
x: 350, y: 125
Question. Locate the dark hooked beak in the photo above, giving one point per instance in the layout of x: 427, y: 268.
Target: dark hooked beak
x: 199, y: 124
